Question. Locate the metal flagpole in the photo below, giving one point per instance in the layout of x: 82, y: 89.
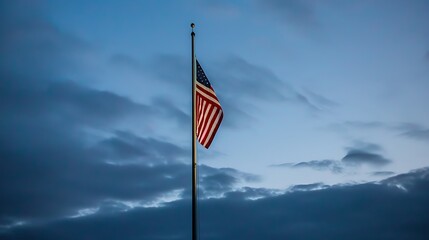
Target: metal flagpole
x: 194, y: 145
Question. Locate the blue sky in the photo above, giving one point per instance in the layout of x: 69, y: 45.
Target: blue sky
x: 325, y: 109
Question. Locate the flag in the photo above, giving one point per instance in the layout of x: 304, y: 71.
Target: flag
x: 209, y: 113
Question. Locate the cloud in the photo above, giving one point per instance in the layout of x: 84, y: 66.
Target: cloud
x: 360, y: 153
x: 256, y: 84
x: 364, y: 153
x: 336, y: 212
x: 320, y: 165
x: 359, y: 157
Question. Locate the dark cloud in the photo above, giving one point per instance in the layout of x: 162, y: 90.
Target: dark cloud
x: 409, y: 181
x: 231, y: 171
x: 62, y: 151
x: 365, y: 153
x: 46, y: 165
x: 33, y: 98
x: 27, y: 39
x: 127, y: 146
x: 384, y: 210
x: 217, y: 184
x: 360, y: 157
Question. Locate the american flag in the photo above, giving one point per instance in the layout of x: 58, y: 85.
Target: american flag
x: 209, y: 113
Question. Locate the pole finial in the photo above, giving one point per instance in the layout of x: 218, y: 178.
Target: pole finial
x: 192, y: 26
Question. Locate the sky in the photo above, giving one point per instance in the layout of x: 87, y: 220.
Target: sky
x: 325, y: 132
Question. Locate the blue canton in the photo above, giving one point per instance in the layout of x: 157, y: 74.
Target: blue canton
x: 201, y: 77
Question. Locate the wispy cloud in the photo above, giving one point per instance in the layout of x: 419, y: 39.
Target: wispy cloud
x: 359, y: 154
x: 414, y: 131
x: 320, y: 165
x: 405, y: 129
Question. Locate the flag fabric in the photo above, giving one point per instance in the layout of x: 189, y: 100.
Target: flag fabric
x: 209, y: 113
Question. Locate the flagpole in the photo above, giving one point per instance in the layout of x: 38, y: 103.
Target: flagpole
x: 194, y: 145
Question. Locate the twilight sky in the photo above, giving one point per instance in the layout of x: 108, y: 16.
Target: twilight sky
x: 325, y: 132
